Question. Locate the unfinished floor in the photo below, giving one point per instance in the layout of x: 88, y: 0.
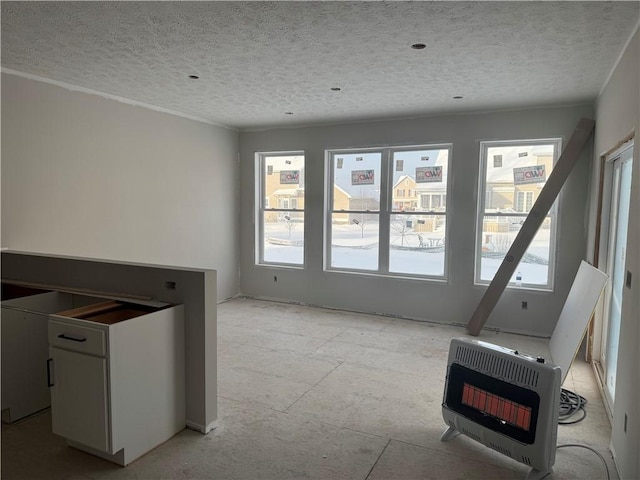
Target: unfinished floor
x: 313, y: 393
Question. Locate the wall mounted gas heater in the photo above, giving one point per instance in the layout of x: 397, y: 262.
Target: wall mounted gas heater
x: 504, y: 399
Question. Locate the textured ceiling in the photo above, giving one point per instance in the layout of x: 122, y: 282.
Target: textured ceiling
x: 258, y: 60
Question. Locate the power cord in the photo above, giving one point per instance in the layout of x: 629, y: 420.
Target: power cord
x: 604, y: 462
x: 570, y: 404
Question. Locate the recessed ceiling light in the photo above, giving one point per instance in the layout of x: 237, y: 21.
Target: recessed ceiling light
x: 288, y: 113
x: 418, y: 46
x: 194, y: 77
x: 336, y: 89
x: 458, y: 97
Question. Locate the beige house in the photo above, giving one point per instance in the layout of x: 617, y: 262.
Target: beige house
x: 526, y: 195
x: 409, y: 196
x: 404, y: 194
x: 291, y: 197
x: 341, y: 201
x: 282, y: 195
x: 502, y: 194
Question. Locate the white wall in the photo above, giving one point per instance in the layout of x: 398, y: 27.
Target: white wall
x: 452, y: 302
x: 83, y: 175
x: 618, y: 115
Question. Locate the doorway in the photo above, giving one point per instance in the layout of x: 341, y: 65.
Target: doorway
x: 618, y: 167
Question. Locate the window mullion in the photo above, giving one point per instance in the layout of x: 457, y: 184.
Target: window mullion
x: 385, y: 208
x: 259, y: 211
x: 328, y: 208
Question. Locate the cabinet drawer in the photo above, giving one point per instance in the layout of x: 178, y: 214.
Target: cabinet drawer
x: 78, y: 338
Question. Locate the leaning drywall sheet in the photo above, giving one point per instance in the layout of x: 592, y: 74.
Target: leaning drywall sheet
x: 576, y: 313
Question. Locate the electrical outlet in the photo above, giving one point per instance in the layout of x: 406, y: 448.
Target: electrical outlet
x: 275, y: 279
x: 170, y: 285
x: 524, y: 305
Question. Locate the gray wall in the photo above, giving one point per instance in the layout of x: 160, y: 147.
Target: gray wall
x: 618, y: 115
x: 88, y: 176
x: 451, y: 302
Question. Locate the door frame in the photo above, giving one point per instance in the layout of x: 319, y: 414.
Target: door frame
x: 600, y: 257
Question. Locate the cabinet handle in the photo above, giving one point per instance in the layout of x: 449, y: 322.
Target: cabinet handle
x: 74, y: 339
x: 49, y: 384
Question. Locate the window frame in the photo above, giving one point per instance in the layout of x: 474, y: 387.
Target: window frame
x: 261, y: 205
x: 385, y: 211
x: 481, y: 199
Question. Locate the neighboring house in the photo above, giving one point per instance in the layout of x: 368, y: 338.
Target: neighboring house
x: 432, y: 196
x: 278, y: 195
x: 502, y: 195
x: 341, y: 201
x: 291, y: 197
x: 526, y: 195
x: 404, y: 194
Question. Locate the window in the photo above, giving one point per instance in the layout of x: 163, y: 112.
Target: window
x: 511, y: 177
x: 280, y: 232
x: 373, y: 225
x: 283, y: 203
x: 524, y: 201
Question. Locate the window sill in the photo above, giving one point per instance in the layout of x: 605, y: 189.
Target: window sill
x: 391, y: 276
x: 280, y: 266
x: 528, y: 288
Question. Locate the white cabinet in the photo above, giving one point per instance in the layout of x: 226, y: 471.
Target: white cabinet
x: 118, y: 377
x: 24, y: 352
x: 25, y: 314
x: 79, y: 399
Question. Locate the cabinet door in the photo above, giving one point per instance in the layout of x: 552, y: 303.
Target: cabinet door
x: 79, y: 408
x: 24, y: 357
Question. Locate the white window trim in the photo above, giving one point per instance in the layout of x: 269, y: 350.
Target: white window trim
x: 385, y: 212
x: 554, y: 211
x: 262, y: 205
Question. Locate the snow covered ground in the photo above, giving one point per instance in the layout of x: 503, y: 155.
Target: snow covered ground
x: 356, y: 248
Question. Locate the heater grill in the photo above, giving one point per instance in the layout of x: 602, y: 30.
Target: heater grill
x: 498, y: 448
x: 470, y: 434
x: 499, y: 367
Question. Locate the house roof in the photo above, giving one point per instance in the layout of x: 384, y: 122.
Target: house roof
x: 403, y: 177
x: 287, y: 192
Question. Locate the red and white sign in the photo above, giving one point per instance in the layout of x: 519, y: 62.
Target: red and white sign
x: 362, y: 177
x: 532, y: 174
x: 428, y: 174
x: 290, y: 177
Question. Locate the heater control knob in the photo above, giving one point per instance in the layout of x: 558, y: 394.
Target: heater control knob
x: 540, y: 359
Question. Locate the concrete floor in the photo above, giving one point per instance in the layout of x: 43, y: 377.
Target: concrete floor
x: 314, y: 393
